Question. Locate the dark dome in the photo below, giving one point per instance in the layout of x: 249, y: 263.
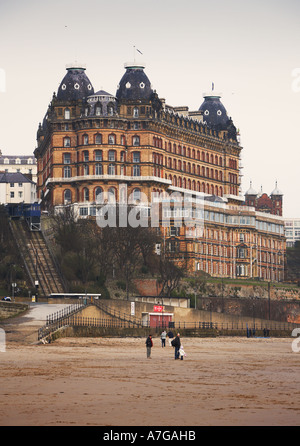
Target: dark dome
x: 214, y: 112
x: 135, y: 84
x: 75, y: 85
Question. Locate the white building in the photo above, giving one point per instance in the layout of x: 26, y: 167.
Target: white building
x: 292, y: 231
x: 25, y: 164
x: 16, y: 188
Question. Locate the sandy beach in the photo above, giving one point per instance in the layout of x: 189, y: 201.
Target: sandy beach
x: 110, y: 382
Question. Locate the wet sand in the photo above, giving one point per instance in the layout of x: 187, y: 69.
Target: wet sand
x: 110, y: 382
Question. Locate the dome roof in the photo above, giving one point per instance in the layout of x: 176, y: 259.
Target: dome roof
x: 75, y: 85
x: 251, y: 191
x: 134, y: 84
x: 214, y: 112
x: 276, y: 191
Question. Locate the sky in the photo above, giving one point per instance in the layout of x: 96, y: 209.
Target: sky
x: 250, y: 50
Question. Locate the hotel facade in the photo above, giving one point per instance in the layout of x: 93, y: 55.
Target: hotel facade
x: 95, y: 144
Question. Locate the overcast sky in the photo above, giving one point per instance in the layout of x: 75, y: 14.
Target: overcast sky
x: 249, y: 49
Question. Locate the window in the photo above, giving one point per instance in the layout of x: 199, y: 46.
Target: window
x: 67, y: 158
x: 85, y: 140
x: 111, y: 139
x: 112, y: 195
x: 85, y: 194
x: 98, y: 169
x: 67, y: 141
x: 20, y: 184
x: 98, y: 155
x: 110, y: 109
x: 135, y: 112
x: 136, y: 141
x: 85, y: 155
x: 98, y: 110
x: 99, y: 195
x: 136, y: 171
x: 98, y: 138
x: 12, y: 195
x: 20, y: 194
x: 85, y: 169
x: 111, y: 169
x: 111, y: 155
x: 12, y: 184
x: 136, y: 157
x: 136, y: 194
x: 67, y: 172
x: 67, y: 113
x: 67, y: 196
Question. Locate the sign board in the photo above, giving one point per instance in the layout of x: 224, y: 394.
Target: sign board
x: 158, y: 308
x: 132, y: 307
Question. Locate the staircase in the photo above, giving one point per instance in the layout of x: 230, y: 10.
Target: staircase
x: 37, y: 258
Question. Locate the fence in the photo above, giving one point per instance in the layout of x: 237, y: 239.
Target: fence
x: 117, y: 319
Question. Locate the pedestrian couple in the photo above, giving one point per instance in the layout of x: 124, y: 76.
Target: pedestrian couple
x: 176, y: 342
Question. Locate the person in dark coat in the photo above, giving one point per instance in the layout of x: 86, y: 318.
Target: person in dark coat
x: 149, y: 345
x: 176, y: 343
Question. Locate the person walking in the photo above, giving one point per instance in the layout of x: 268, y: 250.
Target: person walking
x: 163, y: 337
x: 176, y: 343
x: 170, y: 336
x: 149, y: 345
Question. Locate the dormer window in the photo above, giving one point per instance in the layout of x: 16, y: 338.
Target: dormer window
x: 6, y: 161
x: 18, y: 161
x: 98, y: 110
x: 29, y: 161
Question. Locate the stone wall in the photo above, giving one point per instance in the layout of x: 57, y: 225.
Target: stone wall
x: 11, y: 309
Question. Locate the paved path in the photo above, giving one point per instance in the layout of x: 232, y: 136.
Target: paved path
x: 24, y: 328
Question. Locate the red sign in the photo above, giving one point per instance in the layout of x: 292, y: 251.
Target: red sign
x: 158, y: 308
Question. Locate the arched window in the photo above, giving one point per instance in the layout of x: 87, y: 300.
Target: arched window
x: 112, y: 195
x: 98, y: 138
x: 67, y: 196
x: 112, y: 139
x: 85, y: 193
x: 99, y: 195
x: 136, y: 194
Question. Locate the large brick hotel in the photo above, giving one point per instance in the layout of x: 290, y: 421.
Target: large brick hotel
x: 90, y: 144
